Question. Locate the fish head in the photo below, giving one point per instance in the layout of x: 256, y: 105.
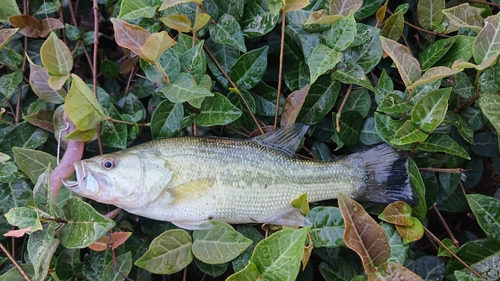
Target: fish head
x: 125, y: 179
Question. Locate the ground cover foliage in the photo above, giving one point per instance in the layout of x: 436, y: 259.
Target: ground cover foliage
x: 419, y: 75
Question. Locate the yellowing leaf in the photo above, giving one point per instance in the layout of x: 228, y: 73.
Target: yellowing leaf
x: 156, y: 44
x: 82, y: 106
x: 5, y: 36
x: 200, y: 21
x: 293, y: 105
x: 465, y: 16
x: 82, y: 135
x: 429, y: 13
x: 344, y: 7
x: 398, y: 213
x: 56, y: 82
x: 487, y: 42
x: 411, y: 233
x: 322, y: 17
x: 363, y: 235
x: 435, y: 73
x: 130, y: 36
x: 39, y: 81
x: 55, y: 56
x: 408, y: 66
x: 178, y: 22
x: 293, y: 5
x: 301, y: 203
x: 393, y: 271
x: 170, y: 3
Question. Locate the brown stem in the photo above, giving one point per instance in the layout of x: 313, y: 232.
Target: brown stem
x: 337, y: 117
x: 452, y: 253
x: 280, y: 70
x: 422, y: 29
x: 73, y: 153
x: 481, y: 2
x: 14, y: 262
x: 446, y: 227
x: 96, y: 44
x: 72, y: 13
x: 442, y: 170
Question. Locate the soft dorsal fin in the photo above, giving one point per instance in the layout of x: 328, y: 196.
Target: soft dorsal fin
x: 285, y: 139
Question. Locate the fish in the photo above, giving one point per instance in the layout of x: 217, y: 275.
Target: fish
x: 189, y: 181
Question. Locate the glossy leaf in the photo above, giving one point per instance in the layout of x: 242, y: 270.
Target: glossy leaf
x: 219, y: 244
x: 464, y: 16
x: 359, y: 101
x: 486, y: 209
x: 41, y: 247
x: 327, y: 228
x: 393, y: 104
x: 178, y: 22
x: 82, y: 106
x: 488, y: 103
x: 217, y: 110
x: 429, y: 13
x: 369, y: 134
x: 9, y: 83
x: 24, y: 217
x: 322, y: 59
x: 39, y: 81
x: 350, y: 125
x: 257, y: 19
x: 399, y: 250
x: 411, y: 233
x: 436, y: 50
x: 408, y: 66
x: 193, y: 61
x: 393, y: 26
x: 22, y: 135
x: 393, y: 271
x: 409, y: 133
x: 84, y: 225
x: 228, y: 31
x: 363, y: 235
x: 184, y: 89
x: 249, y: 68
x: 9, y: 8
x: 156, y: 45
x: 55, y: 56
x: 133, y: 9
x: 398, y: 213
x: 443, y: 143
x: 168, y: 253
x: 340, y: 7
x: 430, y: 110
x: 319, y: 101
x: 342, y: 33
x: 33, y: 162
x: 166, y: 119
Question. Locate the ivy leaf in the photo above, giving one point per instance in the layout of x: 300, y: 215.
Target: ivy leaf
x: 9, y: 83
x: 409, y: 133
x: 319, y: 101
x: 408, y: 66
x: 219, y: 244
x: 443, y: 143
x: 489, y: 102
x: 430, y: 110
x: 249, y: 68
x: 130, y: 36
x: 84, y: 224
x: 398, y: 213
x: 24, y: 217
x: 393, y: 26
x: 322, y: 59
x: 411, y: 233
x: 217, y: 110
x: 41, y: 247
x: 429, y: 13
x: 33, y: 162
x: 166, y: 119
x: 363, y: 235
x: 156, y: 45
x: 350, y: 125
x: 341, y: 7
x: 9, y: 8
x: 82, y: 106
x: 258, y: 20
x: 117, y: 271
x: 168, y: 253
x: 193, y: 61
x: 486, y: 210
x: 342, y: 33
x: 464, y: 16
x: 55, y: 56
x: 434, y: 52
x: 134, y: 9
x: 184, y: 89
x: 435, y: 73
x: 327, y: 227
x: 228, y: 31
x: 487, y: 43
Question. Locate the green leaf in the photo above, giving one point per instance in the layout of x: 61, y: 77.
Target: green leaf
x: 342, y: 33
x: 276, y: 258
x: 249, y: 68
x: 228, y: 31
x: 55, y: 56
x: 219, y: 244
x: 489, y: 102
x: 169, y: 64
x: 430, y: 110
x: 233, y: 8
x: 399, y: 250
x: 193, y: 61
x: 119, y: 270
x: 351, y: 73
x: 464, y: 16
x: 443, y: 143
x: 487, y: 212
x: 397, y: 213
x: 451, y: 197
x: 408, y: 66
x: 113, y: 135
x: 429, y: 13
x: 67, y: 263
x: 214, y: 270
x: 434, y: 74
x: 461, y: 49
x: 322, y: 59
x: 428, y: 267
x: 482, y: 255
x: 33, y: 162
x: 250, y: 232
x: 217, y: 110
x: 344, y: 7
x: 351, y: 123
x: 319, y: 101
x: 393, y: 104
x: 409, y: 133
x: 368, y: 9
x: 358, y: 100
x: 296, y: 76
x: 24, y: 217
x: 82, y: 106
x: 6, y: 34
x: 9, y: 8
x: 22, y: 135
x: 133, y: 9
x: 84, y: 225
x: 434, y: 52
x: 168, y: 253
x: 9, y: 83
x: 327, y: 228
x: 166, y: 119
x: 338, y: 271
x: 393, y: 26
x: 257, y: 19
x: 184, y: 89
x: 41, y: 247
x: 369, y: 134
x: 393, y: 271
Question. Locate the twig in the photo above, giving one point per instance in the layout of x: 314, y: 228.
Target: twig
x: 280, y: 70
x: 235, y: 87
x: 451, y: 253
x: 446, y: 227
x: 442, y: 170
x: 96, y: 44
x: 72, y: 13
x: 481, y: 2
x: 422, y: 29
x: 337, y: 116
x: 14, y: 262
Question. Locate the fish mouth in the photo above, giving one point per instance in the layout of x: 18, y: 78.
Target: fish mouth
x: 81, y: 178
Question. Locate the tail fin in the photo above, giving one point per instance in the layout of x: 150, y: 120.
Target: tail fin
x: 387, y: 176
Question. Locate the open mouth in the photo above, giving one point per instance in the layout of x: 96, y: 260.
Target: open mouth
x: 81, y: 177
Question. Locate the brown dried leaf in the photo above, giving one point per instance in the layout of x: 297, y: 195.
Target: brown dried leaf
x: 393, y: 271
x: 100, y: 245
x: 398, y: 213
x: 363, y: 235
x: 130, y: 36
x: 28, y: 25
x: 50, y: 24
x: 17, y: 233
x: 293, y: 105
x: 118, y: 238
x: 39, y: 81
x: 322, y: 17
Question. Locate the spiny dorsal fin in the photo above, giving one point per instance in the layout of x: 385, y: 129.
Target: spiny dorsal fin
x: 285, y: 139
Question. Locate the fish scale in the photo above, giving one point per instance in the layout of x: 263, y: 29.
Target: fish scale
x: 190, y: 180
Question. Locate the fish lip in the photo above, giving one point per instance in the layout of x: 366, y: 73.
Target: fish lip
x: 81, y: 177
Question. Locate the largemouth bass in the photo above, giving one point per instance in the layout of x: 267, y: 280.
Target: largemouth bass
x: 191, y: 180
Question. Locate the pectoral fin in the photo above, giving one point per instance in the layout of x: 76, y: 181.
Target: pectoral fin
x: 290, y: 218
x: 194, y: 225
x: 191, y: 190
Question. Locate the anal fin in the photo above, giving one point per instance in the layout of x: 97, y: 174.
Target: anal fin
x: 194, y: 225
x: 290, y: 218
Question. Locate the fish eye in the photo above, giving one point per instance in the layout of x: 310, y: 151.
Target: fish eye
x: 108, y: 163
